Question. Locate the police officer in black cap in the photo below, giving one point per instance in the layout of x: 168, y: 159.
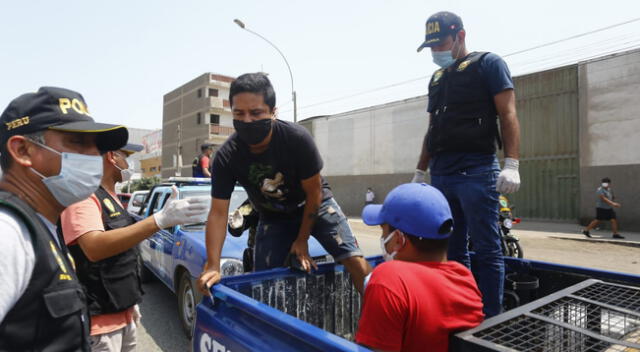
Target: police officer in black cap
x: 467, y: 96
x: 50, y: 157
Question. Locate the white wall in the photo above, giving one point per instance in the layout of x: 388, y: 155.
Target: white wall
x: 610, y: 113
x: 384, y: 139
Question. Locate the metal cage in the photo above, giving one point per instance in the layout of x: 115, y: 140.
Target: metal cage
x: 590, y: 316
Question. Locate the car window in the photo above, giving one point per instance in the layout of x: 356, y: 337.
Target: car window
x: 154, y: 202
x: 138, y: 199
x: 161, y: 200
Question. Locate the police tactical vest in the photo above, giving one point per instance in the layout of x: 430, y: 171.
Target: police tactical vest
x: 463, y: 113
x: 51, y: 315
x: 112, y: 284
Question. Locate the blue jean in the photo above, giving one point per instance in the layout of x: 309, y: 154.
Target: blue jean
x: 473, y: 200
x: 274, y: 237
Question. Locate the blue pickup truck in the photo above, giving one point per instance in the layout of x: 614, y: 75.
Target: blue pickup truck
x: 549, y: 307
x: 176, y: 255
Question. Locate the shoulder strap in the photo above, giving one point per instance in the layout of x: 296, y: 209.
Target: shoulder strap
x: 27, y: 215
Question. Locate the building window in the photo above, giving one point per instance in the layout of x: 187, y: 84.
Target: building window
x: 199, y: 118
x: 142, y: 169
x: 214, y: 119
x: 213, y: 92
x: 199, y: 93
x: 153, y: 168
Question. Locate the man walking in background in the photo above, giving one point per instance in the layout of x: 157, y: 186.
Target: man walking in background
x: 466, y: 96
x: 369, y: 196
x: 604, y: 209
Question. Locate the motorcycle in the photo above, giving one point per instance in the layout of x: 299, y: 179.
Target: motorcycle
x: 510, y: 242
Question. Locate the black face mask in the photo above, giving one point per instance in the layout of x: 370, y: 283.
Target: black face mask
x: 252, y: 132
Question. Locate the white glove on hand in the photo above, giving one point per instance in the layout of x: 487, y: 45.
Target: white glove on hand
x: 418, y: 176
x: 236, y: 219
x: 182, y: 211
x: 509, y: 178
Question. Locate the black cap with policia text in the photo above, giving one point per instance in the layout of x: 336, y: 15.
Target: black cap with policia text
x: 439, y: 26
x: 61, y: 110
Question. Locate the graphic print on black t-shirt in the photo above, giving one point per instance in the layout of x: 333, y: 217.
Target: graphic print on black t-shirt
x: 273, y: 178
x: 270, y: 184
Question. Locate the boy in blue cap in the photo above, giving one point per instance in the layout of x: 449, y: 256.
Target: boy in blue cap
x: 417, y: 298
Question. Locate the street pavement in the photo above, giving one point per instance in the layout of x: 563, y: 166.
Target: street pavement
x: 574, y: 231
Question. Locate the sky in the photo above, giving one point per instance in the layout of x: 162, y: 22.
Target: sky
x: 123, y: 56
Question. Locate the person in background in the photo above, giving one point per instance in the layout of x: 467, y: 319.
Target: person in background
x: 369, y: 196
x: 604, y: 209
x: 201, y: 166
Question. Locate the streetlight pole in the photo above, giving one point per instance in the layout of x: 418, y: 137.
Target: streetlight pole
x: 293, y: 91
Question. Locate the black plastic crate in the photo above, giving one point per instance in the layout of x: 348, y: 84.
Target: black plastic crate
x: 587, y: 317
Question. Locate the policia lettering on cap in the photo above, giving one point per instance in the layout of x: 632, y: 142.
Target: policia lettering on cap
x: 467, y: 96
x: 50, y: 157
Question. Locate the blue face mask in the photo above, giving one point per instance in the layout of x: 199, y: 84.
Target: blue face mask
x: 79, y: 177
x: 446, y: 58
x: 443, y: 59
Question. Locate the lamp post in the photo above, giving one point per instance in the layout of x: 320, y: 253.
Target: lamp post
x: 293, y: 91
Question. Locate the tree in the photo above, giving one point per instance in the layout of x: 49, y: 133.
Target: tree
x: 144, y: 183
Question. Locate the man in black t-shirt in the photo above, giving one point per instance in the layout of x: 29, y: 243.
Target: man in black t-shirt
x: 278, y: 164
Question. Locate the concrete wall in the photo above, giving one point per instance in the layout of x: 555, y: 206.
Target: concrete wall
x: 609, y: 130
x: 375, y: 147
x: 187, y: 109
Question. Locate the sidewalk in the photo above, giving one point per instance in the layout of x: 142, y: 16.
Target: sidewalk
x: 571, y: 231
x: 562, y: 230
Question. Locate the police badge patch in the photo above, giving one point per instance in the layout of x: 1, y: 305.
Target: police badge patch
x: 436, y: 77
x: 463, y: 65
x: 109, y: 205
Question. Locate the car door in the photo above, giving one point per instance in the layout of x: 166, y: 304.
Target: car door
x: 166, y: 240
x: 158, y: 241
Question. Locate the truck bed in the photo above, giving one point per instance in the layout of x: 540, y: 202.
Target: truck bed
x: 285, y: 310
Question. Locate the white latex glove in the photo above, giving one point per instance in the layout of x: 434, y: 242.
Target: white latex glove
x: 182, y: 211
x: 509, y: 178
x: 418, y: 176
x: 236, y: 219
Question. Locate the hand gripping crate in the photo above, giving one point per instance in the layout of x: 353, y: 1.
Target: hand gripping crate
x: 590, y: 316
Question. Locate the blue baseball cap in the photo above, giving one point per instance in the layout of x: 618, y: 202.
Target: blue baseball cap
x: 415, y: 208
x: 438, y: 27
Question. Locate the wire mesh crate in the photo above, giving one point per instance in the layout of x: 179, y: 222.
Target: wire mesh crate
x: 590, y: 316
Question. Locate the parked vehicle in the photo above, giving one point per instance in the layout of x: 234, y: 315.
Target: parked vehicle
x: 176, y: 255
x: 510, y: 242
x: 287, y: 310
x: 136, y: 201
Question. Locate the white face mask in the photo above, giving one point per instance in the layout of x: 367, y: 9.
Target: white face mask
x: 125, y: 174
x: 605, y: 184
x: 79, y: 177
x: 383, y: 241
